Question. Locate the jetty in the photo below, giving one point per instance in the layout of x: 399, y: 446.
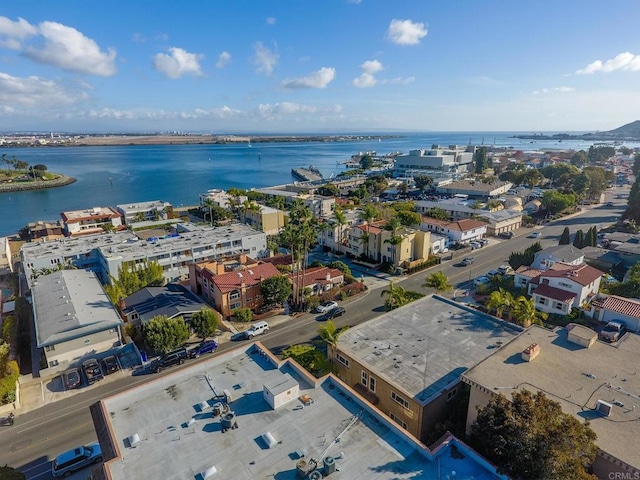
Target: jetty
x: 311, y: 174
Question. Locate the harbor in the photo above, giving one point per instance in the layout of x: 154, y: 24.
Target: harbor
x: 311, y: 174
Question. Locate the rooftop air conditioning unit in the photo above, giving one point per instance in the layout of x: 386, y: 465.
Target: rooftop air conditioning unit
x: 604, y: 408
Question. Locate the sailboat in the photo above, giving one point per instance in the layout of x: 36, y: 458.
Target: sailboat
x: 249, y: 143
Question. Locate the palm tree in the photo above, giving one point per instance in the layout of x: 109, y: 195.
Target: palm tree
x: 396, y: 296
x: 394, y: 240
x: 438, y: 281
x: 524, y: 312
x: 329, y: 333
x: 500, y: 301
x: 368, y: 214
x: 364, y: 240
x: 209, y: 203
x: 341, y: 218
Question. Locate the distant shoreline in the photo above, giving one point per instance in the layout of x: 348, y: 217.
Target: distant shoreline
x: 61, y: 181
x: 122, y: 140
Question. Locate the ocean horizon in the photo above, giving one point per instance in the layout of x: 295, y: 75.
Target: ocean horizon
x: 114, y: 175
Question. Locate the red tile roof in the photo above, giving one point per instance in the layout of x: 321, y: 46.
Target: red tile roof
x: 250, y: 276
x: 317, y: 275
x: 460, y: 225
x: 554, y: 293
x: 625, y: 306
x: 528, y: 271
x: 581, y: 274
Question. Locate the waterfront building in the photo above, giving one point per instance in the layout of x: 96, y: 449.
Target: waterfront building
x: 320, y: 206
x: 590, y: 379
x: 6, y: 266
x: 219, y: 198
x: 91, y: 220
x: 153, y: 211
x: 73, y: 317
x: 192, y: 244
x: 44, y: 231
x: 424, y: 161
x: 245, y: 414
x: 408, y: 361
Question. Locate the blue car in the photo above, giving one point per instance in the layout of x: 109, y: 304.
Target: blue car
x: 208, y: 346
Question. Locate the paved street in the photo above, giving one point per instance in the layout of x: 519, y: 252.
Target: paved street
x: 39, y: 435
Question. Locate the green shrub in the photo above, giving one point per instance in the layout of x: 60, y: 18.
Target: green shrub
x: 244, y: 314
x: 8, y: 383
x: 8, y: 328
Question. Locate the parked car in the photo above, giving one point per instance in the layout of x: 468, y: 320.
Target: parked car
x: 613, y: 331
x: 481, y: 281
x: 110, y: 365
x: 533, y: 235
x: 507, y: 235
x: 475, y: 245
x: 71, y: 379
x: 257, y: 328
x: 325, y: 307
x: 208, y: 346
x: 335, y: 313
x: 504, y: 269
x: 493, y: 273
x: 75, y: 459
x: 92, y: 370
x: 175, y: 357
x: 609, y: 204
x: 467, y: 261
x: 483, y: 241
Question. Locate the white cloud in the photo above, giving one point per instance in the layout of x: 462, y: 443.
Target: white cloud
x: 626, y: 61
x: 357, y: 2
x: 554, y: 90
x: 178, y: 63
x: 138, y: 37
x: 406, y: 32
x: 223, y: 60
x: 365, y: 80
x: 371, y: 66
x: 271, y: 21
x: 38, y: 93
x: 319, y: 79
x: 284, y: 109
x: 265, y: 59
x: 15, y: 32
x: 58, y: 45
x: 400, y: 80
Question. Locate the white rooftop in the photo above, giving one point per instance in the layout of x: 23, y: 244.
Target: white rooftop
x: 425, y: 346
x: 169, y: 421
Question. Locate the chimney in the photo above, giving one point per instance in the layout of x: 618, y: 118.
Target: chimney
x: 122, y: 304
x: 328, y: 277
x: 219, y: 268
x: 530, y: 352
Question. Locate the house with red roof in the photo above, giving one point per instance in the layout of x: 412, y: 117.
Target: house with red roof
x: 560, y: 288
x: 620, y: 309
x: 460, y: 231
x: 318, y: 279
x: 91, y: 220
x: 240, y: 289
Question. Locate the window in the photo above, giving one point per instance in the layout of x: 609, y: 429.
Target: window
x: 397, y: 398
x: 452, y: 394
x: 53, y: 363
x: 235, y: 295
x: 398, y: 421
x: 541, y: 301
x: 342, y: 360
x: 558, y: 306
x: 49, y: 348
x: 364, y: 379
x: 233, y: 306
x: 372, y: 384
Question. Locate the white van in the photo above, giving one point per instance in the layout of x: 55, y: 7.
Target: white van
x: 257, y: 328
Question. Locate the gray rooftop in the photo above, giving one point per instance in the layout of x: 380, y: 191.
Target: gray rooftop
x: 73, y: 245
x: 180, y: 441
x: 70, y: 304
x: 170, y: 300
x: 577, y: 378
x: 495, y: 216
x: 566, y: 253
x: 426, y: 345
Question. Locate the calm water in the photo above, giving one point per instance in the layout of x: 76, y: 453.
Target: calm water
x: 108, y: 176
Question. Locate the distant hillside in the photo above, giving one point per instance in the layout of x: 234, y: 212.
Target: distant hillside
x: 626, y: 131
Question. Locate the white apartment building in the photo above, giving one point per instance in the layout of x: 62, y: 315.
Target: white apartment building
x: 90, y: 220
x: 155, y: 210
x: 420, y: 162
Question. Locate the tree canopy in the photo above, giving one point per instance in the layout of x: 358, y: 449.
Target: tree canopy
x: 438, y: 281
x: 310, y: 358
x: 131, y: 279
x: 555, y: 201
x: 276, y: 290
x: 163, y: 334
x: 329, y: 332
x: 204, y: 322
x: 530, y: 437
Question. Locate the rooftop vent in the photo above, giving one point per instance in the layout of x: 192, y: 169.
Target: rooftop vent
x: 604, y: 408
x: 531, y: 352
x: 134, y: 440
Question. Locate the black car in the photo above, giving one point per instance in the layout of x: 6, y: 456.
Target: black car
x: 110, y: 365
x: 208, y: 346
x: 92, y: 370
x: 175, y: 357
x: 71, y: 379
x: 334, y: 313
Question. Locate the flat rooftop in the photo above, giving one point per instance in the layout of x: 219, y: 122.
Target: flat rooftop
x: 143, y: 206
x: 69, y: 304
x: 95, y: 212
x: 180, y: 440
x: 74, y: 245
x: 426, y: 345
x: 576, y: 377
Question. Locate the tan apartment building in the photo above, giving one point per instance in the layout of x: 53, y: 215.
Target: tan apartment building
x: 266, y: 219
x: 408, y: 361
x: 240, y: 289
x: 589, y: 378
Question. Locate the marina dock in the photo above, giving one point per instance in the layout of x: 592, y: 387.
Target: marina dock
x: 306, y: 174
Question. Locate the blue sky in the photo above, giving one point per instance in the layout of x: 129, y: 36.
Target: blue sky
x: 297, y: 66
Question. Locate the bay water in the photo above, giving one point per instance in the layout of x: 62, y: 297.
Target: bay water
x: 113, y: 175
